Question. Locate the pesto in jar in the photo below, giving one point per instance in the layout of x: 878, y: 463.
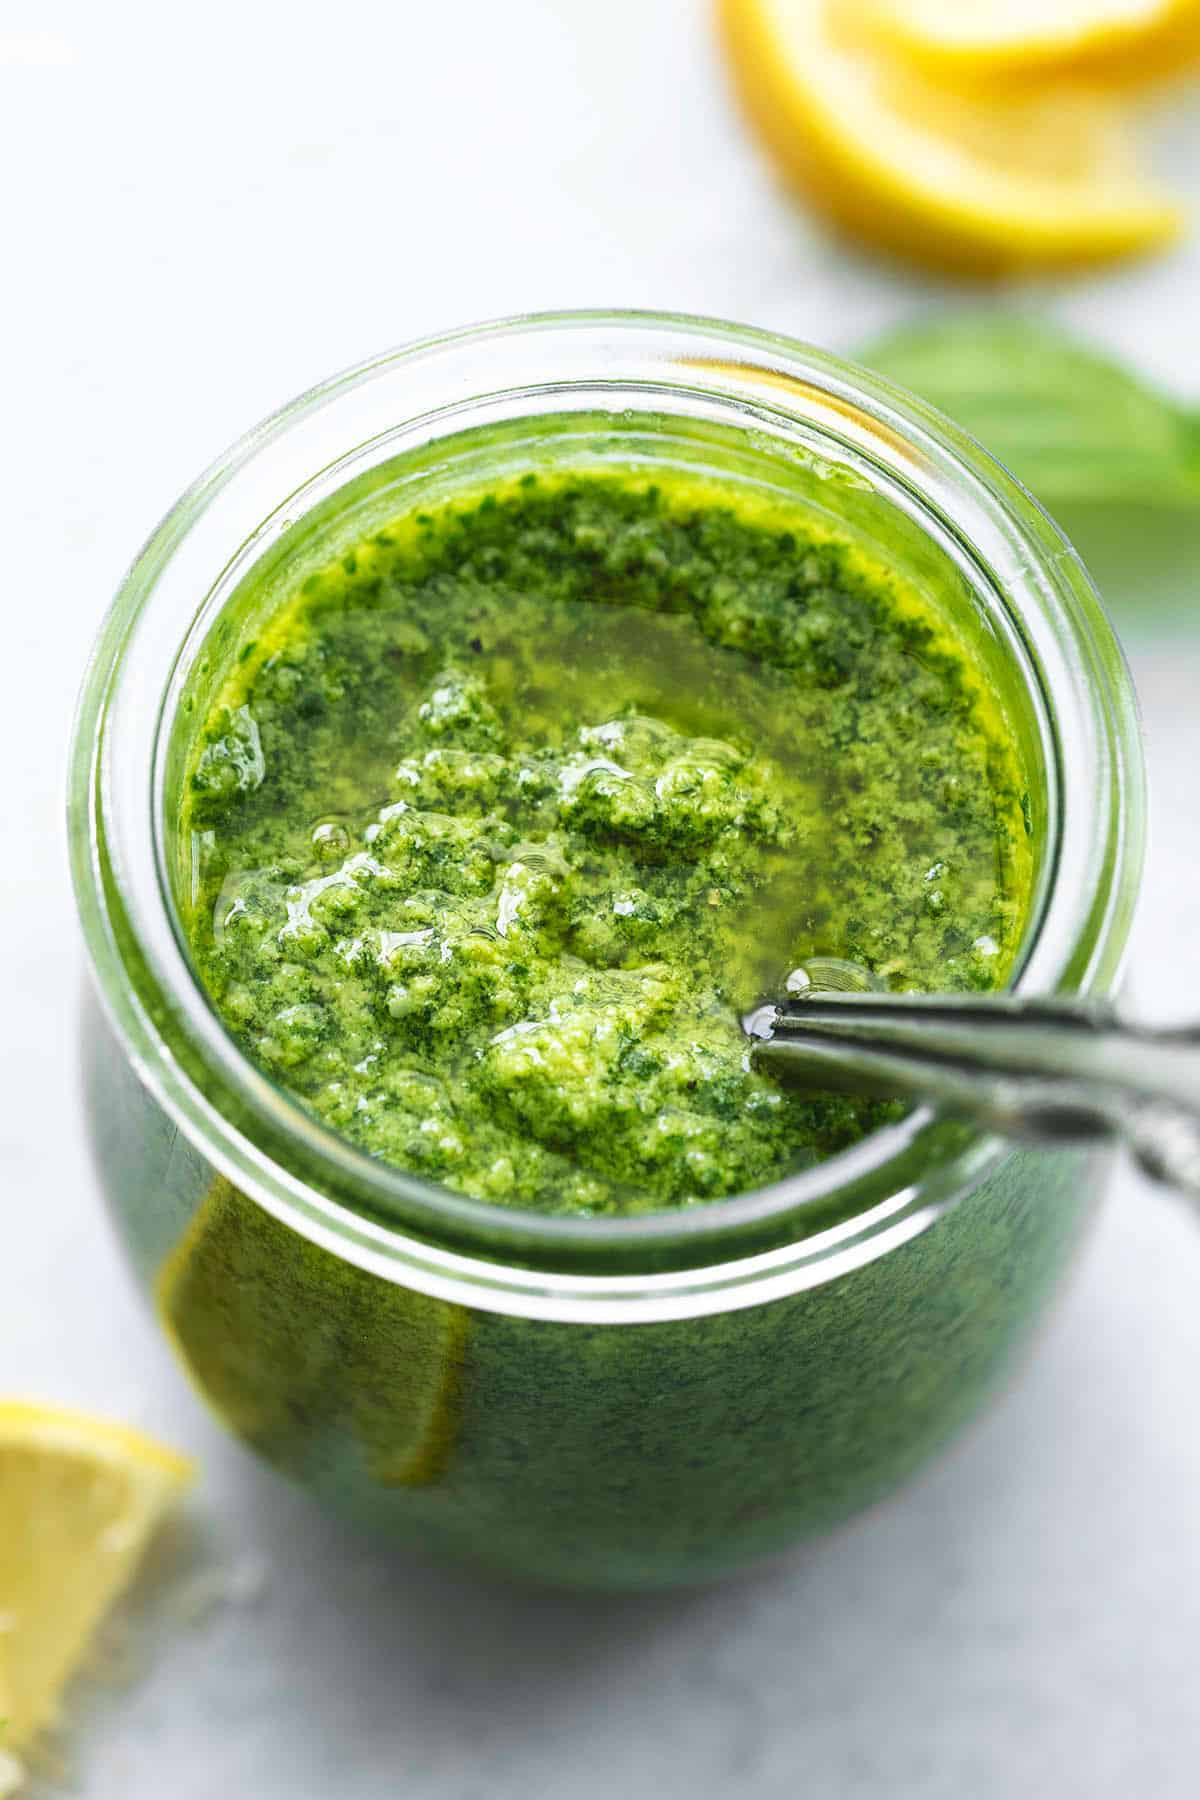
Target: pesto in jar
x: 509, y: 811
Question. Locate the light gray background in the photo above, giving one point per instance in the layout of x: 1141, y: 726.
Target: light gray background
x: 204, y: 209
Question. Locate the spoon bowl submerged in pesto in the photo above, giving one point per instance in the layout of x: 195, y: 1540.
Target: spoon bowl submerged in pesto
x: 508, y: 811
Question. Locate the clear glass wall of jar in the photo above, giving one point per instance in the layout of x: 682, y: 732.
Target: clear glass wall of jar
x: 626, y: 1402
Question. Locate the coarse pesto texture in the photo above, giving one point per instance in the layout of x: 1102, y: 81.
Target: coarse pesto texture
x: 512, y: 809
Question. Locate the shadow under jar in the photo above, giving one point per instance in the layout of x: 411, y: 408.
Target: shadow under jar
x: 628, y: 1401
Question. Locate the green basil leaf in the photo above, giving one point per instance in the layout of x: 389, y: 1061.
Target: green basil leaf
x: 1143, y: 559
x: 1070, y: 422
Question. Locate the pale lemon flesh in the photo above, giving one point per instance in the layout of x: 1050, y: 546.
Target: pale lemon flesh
x: 80, y: 1499
x: 1116, y: 40
x: 1036, y: 177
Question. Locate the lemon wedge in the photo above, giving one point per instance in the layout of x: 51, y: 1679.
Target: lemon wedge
x: 1036, y: 176
x: 79, y: 1501
x: 980, y: 39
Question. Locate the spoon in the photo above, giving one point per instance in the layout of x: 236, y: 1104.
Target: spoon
x: 1044, y: 1071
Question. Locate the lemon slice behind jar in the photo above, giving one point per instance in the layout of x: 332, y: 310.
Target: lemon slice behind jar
x: 1117, y: 40
x: 310, y: 1359
x: 1034, y: 175
x: 79, y: 1501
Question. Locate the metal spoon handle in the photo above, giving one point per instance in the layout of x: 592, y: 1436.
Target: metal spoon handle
x: 1046, y: 1071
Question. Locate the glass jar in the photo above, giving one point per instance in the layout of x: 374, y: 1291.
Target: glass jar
x: 628, y: 1402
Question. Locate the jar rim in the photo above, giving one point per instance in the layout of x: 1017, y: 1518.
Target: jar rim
x: 730, y: 1249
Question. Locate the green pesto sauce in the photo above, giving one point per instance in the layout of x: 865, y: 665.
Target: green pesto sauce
x: 511, y: 811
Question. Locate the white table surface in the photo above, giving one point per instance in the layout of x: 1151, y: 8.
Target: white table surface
x: 202, y: 210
